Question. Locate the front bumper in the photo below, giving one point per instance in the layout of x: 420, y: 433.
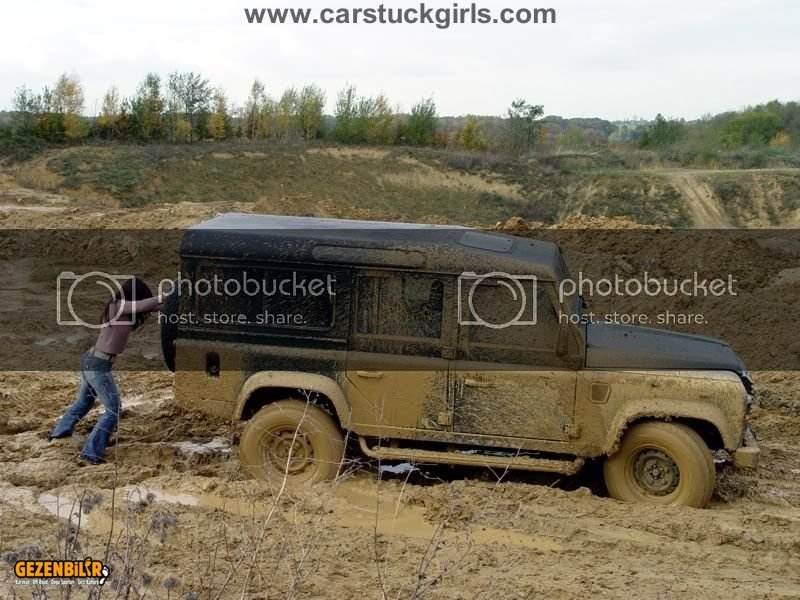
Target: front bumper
x: 748, y: 454
x: 746, y: 457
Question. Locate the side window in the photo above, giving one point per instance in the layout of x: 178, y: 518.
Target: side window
x: 404, y: 305
x: 219, y: 305
x: 257, y: 299
x: 299, y: 298
x: 503, y: 328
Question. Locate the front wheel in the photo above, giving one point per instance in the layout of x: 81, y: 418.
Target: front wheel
x: 293, y: 441
x: 661, y: 463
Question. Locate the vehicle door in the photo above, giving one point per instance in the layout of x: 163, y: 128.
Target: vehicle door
x: 400, y: 351
x: 511, y: 377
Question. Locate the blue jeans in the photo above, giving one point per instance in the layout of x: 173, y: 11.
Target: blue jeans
x: 97, y: 382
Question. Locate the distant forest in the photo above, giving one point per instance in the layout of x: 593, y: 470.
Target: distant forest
x: 186, y: 108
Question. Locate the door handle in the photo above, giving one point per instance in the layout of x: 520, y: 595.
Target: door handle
x: 370, y: 374
x: 477, y: 384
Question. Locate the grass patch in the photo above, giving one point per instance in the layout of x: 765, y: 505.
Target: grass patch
x: 412, y: 183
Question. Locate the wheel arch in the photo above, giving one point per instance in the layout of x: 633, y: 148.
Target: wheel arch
x: 261, y: 389
x: 708, y: 421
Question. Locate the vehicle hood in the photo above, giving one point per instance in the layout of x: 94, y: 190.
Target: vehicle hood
x: 613, y: 346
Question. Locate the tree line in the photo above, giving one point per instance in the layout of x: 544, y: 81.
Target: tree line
x: 773, y: 125
x: 186, y: 107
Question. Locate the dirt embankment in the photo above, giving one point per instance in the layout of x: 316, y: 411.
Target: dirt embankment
x: 407, y: 184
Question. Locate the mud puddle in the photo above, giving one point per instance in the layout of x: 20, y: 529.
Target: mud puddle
x: 361, y: 505
x: 356, y: 503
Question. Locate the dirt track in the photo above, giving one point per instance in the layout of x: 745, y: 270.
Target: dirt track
x: 706, y: 211
x: 174, y: 513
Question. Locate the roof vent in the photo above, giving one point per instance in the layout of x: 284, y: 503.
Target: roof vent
x: 487, y: 241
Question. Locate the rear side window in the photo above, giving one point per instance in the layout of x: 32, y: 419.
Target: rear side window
x: 403, y: 305
x: 263, y: 298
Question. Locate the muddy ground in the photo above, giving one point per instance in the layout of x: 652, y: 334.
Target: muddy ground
x: 175, y: 516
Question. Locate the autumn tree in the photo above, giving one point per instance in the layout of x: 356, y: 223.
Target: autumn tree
x: 781, y: 140
x: 219, y: 121
x: 67, y: 100
x: 109, y: 113
x: 470, y: 136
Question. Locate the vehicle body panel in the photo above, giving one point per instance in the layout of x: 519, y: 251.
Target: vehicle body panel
x: 571, y: 391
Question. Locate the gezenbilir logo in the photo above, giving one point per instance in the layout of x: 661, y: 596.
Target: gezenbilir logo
x: 91, y: 572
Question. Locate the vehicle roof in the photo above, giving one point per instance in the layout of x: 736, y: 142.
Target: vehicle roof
x: 424, y: 247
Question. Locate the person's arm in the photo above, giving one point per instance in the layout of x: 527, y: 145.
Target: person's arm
x: 130, y: 307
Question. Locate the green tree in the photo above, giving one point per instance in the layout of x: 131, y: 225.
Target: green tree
x: 285, y: 124
x: 345, y: 114
x: 48, y: 124
x: 662, y: 133
x: 383, y: 122
x: 146, y: 109
x: 192, y: 94
x: 421, y: 125
x: 27, y: 108
x: 310, y: 105
x: 751, y: 128
x: 523, y: 125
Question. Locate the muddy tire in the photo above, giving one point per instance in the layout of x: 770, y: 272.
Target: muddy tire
x: 292, y: 439
x: 169, y: 329
x: 661, y: 463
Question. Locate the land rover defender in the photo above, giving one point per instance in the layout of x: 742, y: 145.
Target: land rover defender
x: 439, y: 344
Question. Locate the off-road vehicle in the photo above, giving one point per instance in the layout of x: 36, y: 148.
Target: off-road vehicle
x: 439, y: 344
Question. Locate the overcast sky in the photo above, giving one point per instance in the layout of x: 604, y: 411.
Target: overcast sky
x: 608, y: 58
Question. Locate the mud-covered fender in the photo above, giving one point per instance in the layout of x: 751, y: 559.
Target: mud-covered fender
x: 670, y: 409
x: 310, y: 382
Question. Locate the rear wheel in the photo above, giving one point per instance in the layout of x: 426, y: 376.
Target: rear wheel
x: 169, y: 328
x: 661, y: 463
x: 292, y: 440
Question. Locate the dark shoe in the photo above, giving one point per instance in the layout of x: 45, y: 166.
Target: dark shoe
x: 85, y: 460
